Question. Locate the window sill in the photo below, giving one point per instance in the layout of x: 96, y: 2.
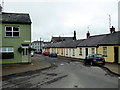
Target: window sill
x: 12, y: 37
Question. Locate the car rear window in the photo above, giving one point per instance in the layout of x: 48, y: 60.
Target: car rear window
x: 98, y: 55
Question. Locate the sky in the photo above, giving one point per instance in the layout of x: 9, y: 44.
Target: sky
x: 61, y: 17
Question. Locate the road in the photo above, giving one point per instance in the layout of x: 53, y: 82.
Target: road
x: 65, y: 73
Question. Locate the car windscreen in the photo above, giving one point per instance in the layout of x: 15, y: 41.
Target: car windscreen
x: 98, y: 55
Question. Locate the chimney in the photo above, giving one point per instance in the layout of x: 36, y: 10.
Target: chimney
x: 112, y: 30
x: 74, y: 37
x: 88, y: 34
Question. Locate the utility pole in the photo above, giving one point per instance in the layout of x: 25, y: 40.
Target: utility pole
x: 40, y: 46
x: 2, y: 5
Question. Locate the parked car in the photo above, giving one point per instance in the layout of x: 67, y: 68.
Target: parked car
x: 46, y: 53
x: 53, y: 54
x: 94, y: 59
x: 38, y: 52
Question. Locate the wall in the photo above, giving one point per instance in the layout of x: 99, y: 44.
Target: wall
x: 110, y: 53
x: 119, y: 55
x: 84, y: 52
x: 25, y: 34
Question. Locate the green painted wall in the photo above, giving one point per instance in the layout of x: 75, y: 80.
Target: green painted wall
x: 25, y: 34
x: 0, y: 38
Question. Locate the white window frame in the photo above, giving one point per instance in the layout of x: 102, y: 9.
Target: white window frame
x: 105, y: 51
x: 12, y: 31
x: 67, y: 51
x: 6, y: 50
x: 80, y: 51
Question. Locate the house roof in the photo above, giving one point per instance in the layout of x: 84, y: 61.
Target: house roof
x: 15, y: 18
x: 58, y: 39
x: 105, y: 39
x: 111, y: 39
x: 92, y: 40
x: 64, y: 44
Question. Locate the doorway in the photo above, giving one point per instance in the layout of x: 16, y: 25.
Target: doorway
x: 86, y: 49
x: 116, y: 54
x: 25, y: 53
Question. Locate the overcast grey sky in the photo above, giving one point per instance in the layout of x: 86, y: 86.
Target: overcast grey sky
x: 62, y: 17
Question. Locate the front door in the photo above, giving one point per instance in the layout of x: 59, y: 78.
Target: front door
x: 25, y: 54
x: 86, y: 51
x: 116, y: 54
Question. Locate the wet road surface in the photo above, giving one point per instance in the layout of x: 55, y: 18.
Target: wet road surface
x: 64, y: 74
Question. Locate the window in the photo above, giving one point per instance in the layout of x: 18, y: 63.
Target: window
x: 105, y: 51
x: 66, y: 51
x: 61, y: 51
x: 57, y: 51
x: 80, y: 51
x: 93, y: 50
x: 6, y: 49
x: 12, y: 31
x: 7, y: 52
x: 73, y: 52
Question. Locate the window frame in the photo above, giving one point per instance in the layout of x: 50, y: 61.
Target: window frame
x: 12, y: 31
x: 92, y: 50
x: 66, y: 51
x: 80, y: 51
x: 6, y: 50
x: 105, y: 51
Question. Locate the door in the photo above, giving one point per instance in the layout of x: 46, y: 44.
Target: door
x: 116, y: 54
x: 25, y: 54
x: 86, y: 51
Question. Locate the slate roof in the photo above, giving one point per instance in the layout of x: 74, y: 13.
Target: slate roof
x: 106, y: 39
x: 58, y: 39
x: 15, y: 18
x: 92, y: 41
x: 64, y: 44
x: 111, y: 39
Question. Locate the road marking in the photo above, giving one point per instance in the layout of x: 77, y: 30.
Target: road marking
x: 118, y: 77
x: 61, y: 64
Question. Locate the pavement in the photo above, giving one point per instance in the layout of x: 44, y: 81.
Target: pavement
x: 113, y: 68
x: 38, y: 64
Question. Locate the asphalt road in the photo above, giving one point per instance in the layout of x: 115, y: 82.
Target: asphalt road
x: 64, y: 74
